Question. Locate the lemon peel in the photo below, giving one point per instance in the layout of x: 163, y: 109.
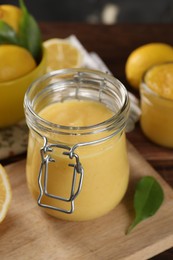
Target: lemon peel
x: 15, y: 62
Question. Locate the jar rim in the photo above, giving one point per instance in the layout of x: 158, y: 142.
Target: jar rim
x: 119, y: 118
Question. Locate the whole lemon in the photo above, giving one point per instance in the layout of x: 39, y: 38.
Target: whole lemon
x: 15, y: 62
x: 11, y: 15
x: 144, y: 57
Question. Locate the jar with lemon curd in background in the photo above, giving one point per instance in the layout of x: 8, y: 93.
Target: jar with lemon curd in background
x: 156, y: 92
x: 77, y: 165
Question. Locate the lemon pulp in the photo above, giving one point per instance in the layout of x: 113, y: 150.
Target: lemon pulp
x: 5, y: 193
x: 61, y: 54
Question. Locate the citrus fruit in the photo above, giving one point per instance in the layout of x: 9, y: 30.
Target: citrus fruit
x: 11, y: 15
x: 15, y: 62
x: 61, y: 54
x: 144, y: 57
x: 5, y: 193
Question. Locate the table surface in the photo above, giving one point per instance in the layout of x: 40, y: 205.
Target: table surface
x: 113, y: 44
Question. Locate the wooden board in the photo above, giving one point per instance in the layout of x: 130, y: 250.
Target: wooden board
x: 28, y: 233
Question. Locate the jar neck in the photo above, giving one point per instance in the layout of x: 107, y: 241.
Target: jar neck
x: 81, y: 84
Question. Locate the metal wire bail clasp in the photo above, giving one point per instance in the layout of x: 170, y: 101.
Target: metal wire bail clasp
x: 43, y: 176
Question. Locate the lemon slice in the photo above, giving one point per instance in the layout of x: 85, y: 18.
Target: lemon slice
x: 5, y: 193
x: 61, y: 53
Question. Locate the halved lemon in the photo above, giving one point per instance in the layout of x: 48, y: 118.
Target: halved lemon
x: 61, y: 53
x: 5, y: 193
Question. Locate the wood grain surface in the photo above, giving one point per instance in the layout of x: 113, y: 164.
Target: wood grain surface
x: 29, y: 233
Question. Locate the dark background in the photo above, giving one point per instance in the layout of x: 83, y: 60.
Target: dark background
x: 100, y: 11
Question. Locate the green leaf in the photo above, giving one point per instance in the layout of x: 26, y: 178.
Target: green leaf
x: 7, y: 34
x: 147, y: 199
x: 29, y: 33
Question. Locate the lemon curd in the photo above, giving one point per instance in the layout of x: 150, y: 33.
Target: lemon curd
x: 157, y: 104
x: 77, y: 166
x: 106, y: 170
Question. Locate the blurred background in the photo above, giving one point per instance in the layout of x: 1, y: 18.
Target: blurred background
x: 100, y: 11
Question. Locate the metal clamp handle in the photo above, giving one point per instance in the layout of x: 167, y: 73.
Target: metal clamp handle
x: 43, y: 173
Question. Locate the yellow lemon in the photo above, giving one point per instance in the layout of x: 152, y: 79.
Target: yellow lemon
x: 15, y: 62
x: 144, y: 57
x: 12, y: 94
x: 61, y: 54
x: 5, y: 193
x: 11, y: 15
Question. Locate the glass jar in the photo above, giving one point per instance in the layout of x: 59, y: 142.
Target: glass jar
x: 157, y: 104
x: 77, y: 173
